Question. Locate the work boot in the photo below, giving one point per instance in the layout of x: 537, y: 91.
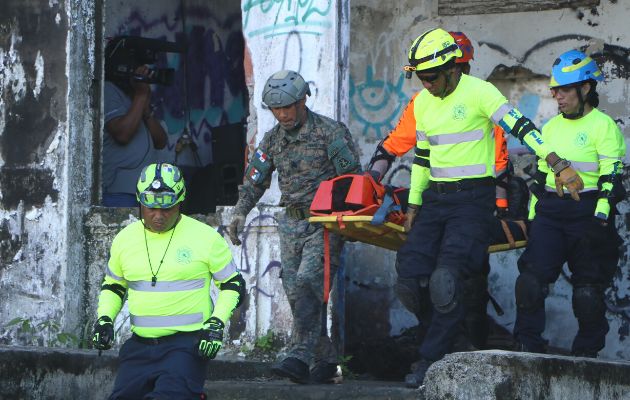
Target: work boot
x: 324, y: 372
x: 523, y: 348
x: 462, y: 343
x: 292, y: 368
x: 418, y: 370
x: 584, y: 353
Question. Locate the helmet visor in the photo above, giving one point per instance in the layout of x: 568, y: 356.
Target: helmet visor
x: 158, y: 199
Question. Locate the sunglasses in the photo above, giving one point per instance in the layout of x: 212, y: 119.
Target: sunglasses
x: 428, y: 78
x: 564, y: 89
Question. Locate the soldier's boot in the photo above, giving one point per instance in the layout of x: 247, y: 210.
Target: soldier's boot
x: 294, y: 369
x: 325, y: 372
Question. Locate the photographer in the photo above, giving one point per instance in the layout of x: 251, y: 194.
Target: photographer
x: 132, y: 134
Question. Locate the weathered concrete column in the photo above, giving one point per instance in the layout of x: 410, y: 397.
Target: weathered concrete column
x: 48, y: 89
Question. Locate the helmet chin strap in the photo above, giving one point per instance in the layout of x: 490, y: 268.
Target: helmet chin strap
x: 580, y: 111
x: 446, y: 84
x: 298, y: 123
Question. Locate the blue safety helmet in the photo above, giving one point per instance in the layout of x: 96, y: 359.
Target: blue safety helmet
x: 574, y: 67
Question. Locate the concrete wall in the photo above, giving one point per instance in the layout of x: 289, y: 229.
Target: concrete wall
x: 47, y: 82
x: 515, y: 50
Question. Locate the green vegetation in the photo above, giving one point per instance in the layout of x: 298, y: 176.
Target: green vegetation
x: 46, y: 333
x: 265, y: 348
x: 345, y: 370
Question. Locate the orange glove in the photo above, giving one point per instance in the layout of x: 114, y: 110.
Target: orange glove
x: 570, y: 179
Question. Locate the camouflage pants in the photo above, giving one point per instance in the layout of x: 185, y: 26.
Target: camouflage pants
x: 302, y: 256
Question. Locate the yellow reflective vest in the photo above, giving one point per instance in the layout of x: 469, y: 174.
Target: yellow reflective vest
x: 180, y: 299
x: 593, y: 144
x: 455, y: 134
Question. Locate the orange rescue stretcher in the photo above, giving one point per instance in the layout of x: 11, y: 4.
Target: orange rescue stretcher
x: 361, y: 209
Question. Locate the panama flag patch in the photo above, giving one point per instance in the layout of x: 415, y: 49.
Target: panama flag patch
x: 254, y: 174
x: 261, y: 156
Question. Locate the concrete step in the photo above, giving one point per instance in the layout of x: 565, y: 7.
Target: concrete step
x: 281, y: 389
x: 498, y: 375
x: 54, y: 374
x: 51, y: 374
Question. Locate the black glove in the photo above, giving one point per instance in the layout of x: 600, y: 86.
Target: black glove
x: 238, y: 222
x: 211, y: 338
x: 103, y: 333
x: 599, y: 234
x: 501, y: 212
x: 375, y: 175
x: 410, y: 216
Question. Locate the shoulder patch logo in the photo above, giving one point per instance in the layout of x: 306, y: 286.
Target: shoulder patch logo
x: 262, y: 157
x: 343, y: 163
x: 581, y: 139
x: 254, y: 174
x: 184, y: 255
x: 459, y: 112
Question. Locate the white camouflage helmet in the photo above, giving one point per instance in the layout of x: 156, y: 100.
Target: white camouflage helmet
x: 284, y: 88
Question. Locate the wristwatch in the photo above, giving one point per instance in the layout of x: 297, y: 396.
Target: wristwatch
x: 560, y: 166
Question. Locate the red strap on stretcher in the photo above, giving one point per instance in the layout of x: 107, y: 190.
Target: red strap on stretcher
x: 326, y: 266
x: 339, y: 222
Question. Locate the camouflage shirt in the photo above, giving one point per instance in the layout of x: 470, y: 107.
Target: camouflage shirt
x: 320, y: 150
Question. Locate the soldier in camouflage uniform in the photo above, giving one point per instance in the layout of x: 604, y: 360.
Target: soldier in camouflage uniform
x: 305, y: 148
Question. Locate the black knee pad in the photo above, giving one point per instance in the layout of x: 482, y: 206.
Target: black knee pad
x: 443, y: 288
x: 412, y: 293
x: 588, y: 302
x: 530, y: 292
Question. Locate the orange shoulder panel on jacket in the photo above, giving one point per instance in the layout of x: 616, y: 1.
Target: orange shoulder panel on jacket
x: 500, y: 150
x: 403, y: 137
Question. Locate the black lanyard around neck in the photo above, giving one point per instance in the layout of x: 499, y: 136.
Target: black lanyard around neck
x: 154, y: 275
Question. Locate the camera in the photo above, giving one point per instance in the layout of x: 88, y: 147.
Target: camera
x: 123, y: 54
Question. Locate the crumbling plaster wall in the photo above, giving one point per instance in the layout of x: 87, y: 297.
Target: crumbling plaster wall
x: 46, y: 87
x: 380, y: 36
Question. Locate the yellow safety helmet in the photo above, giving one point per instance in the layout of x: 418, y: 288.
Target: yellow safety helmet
x: 434, y: 48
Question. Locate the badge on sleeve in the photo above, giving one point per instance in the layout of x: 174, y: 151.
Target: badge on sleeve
x: 259, y: 168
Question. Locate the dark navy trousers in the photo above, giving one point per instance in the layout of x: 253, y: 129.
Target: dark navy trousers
x: 169, y: 368
x: 451, y: 231
x: 563, y: 231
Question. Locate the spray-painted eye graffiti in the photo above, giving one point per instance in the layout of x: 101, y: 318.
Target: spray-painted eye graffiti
x: 375, y: 104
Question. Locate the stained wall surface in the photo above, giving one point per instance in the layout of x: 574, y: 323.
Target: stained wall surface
x: 45, y: 161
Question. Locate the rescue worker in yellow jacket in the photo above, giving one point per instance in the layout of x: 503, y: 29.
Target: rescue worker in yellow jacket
x: 163, y: 265
x: 453, y: 185
x: 397, y: 143
x: 583, y: 233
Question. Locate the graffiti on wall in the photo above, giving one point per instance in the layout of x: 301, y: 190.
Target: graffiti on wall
x: 215, y: 92
x: 377, y: 93
x: 376, y: 104
x: 245, y: 266
x: 306, y: 17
